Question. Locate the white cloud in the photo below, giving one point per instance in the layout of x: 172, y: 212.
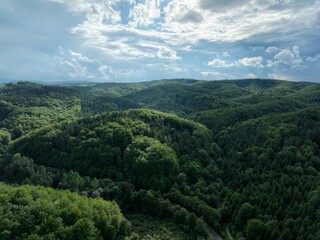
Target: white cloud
x: 58, y: 1
x: 219, y: 20
x: 167, y: 53
x: 144, y: 14
x: 217, y: 75
x: 288, y: 57
x: 182, y: 12
x: 231, y: 5
x: 252, y: 61
x: 169, y: 68
x: 74, y: 69
x: 128, y: 34
x: 78, y: 57
x: 251, y: 75
x: 313, y: 59
x: 311, y: 16
x: 271, y: 49
x: 180, y: 23
x: 278, y: 76
x: 225, y: 54
x: 78, y: 66
x: 106, y: 71
x: 219, y: 63
x: 101, y: 12
x: 296, y: 50
x: 118, y: 41
x: 94, y: 11
x: 61, y: 50
x: 271, y: 63
x: 187, y: 48
x: 172, y: 68
x: 220, y: 5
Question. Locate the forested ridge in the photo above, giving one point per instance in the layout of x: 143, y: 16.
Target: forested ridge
x: 242, y: 156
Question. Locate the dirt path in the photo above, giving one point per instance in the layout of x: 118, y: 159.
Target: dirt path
x: 212, y: 234
x: 229, y: 234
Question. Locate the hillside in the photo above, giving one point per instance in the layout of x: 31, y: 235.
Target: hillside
x: 29, y: 212
x: 146, y: 149
x: 27, y: 106
x: 241, y: 155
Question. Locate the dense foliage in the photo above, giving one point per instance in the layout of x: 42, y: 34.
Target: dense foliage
x: 251, y: 171
x: 27, y: 106
x: 276, y: 169
x: 41, y: 213
x: 148, y: 149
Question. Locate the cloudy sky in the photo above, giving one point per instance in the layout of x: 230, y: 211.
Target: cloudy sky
x: 138, y: 40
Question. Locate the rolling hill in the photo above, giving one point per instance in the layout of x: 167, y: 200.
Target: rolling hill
x: 242, y: 156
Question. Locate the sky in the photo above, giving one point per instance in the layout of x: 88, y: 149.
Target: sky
x: 141, y: 40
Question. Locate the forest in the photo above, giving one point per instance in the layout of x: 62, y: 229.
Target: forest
x: 167, y: 159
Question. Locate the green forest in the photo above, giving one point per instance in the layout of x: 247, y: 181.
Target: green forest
x: 168, y: 159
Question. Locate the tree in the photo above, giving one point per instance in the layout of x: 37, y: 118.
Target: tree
x: 84, y: 229
x: 5, y: 137
x: 45, y: 213
x: 191, y: 221
x: 150, y: 164
x: 255, y: 230
x: 245, y: 213
x: 18, y: 168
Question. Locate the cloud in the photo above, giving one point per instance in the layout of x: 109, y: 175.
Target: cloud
x: 251, y: 75
x: 311, y: 16
x: 58, y: 1
x: 226, y: 20
x: 252, y: 61
x: 80, y: 67
x: 296, y: 50
x: 220, y: 5
x: 78, y: 57
x: 271, y: 63
x: 225, y: 54
x: 61, y: 50
x: 94, y: 11
x: 107, y: 36
x: 313, y: 59
x: 289, y: 57
x: 217, y: 75
x: 172, y: 68
x: 175, y: 23
x: 278, y: 76
x: 182, y: 12
x: 144, y: 14
x: 219, y: 63
x: 102, y: 12
x: 230, y: 5
x: 118, y: 41
x: 190, y: 16
x: 167, y: 53
x: 106, y: 71
x: 271, y: 49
